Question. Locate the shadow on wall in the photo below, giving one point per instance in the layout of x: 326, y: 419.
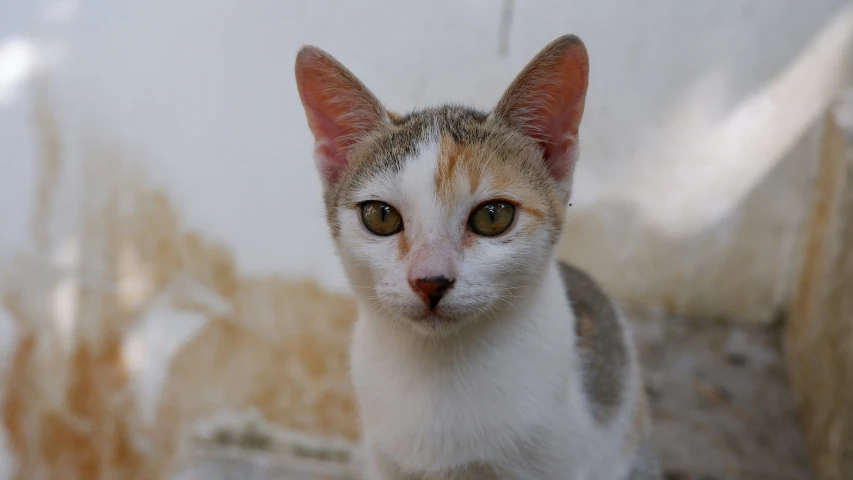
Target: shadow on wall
x: 743, y: 267
x: 138, y: 328
x: 702, y: 119
x: 715, y: 228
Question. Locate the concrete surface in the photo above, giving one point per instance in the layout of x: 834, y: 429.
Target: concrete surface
x: 721, y: 404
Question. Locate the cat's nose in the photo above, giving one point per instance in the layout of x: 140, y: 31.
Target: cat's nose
x: 431, y: 289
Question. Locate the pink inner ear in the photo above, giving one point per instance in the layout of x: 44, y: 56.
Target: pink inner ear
x: 546, y: 102
x: 331, y: 161
x: 331, y: 140
x: 558, y: 135
x: 338, y: 107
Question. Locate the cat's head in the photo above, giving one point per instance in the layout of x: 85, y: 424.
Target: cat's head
x: 446, y: 215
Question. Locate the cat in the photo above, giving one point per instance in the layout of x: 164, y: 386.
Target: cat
x: 476, y: 354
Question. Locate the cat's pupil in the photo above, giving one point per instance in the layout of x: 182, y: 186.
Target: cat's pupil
x: 381, y: 218
x: 492, y: 218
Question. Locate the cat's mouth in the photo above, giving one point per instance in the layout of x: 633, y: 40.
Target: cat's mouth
x: 432, y: 323
x: 433, y: 316
x: 445, y: 319
x: 447, y: 313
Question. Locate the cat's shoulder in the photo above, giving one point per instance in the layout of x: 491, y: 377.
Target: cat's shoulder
x: 601, y: 342
x: 585, y: 294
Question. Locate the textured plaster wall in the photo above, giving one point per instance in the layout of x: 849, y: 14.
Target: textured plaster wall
x: 157, y: 183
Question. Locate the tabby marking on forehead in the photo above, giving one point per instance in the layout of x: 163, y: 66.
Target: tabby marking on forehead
x: 466, y: 150
x: 455, y: 159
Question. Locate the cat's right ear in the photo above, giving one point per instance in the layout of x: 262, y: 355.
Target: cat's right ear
x: 340, y: 109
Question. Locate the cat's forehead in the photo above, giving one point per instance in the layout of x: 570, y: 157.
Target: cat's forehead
x: 443, y: 145
x: 449, y: 155
x: 404, y: 139
x: 463, y: 124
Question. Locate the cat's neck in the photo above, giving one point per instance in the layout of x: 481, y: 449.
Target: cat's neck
x: 522, y: 364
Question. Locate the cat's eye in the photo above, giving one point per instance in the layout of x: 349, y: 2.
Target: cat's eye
x: 380, y: 218
x: 492, y: 218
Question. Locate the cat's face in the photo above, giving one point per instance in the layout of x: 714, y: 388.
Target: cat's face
x: 444, y: 216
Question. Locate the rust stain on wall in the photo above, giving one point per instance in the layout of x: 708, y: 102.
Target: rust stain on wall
x: 278, y: 346
x: 283, y: 354
x: 819, y: 335
x: 66, y: 406
x: 50, y: 148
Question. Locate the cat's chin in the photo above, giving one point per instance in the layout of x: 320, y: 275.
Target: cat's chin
x: 436, y: 318
x: 424, y: 321
x: 436, y: 326
x: 438, y: 323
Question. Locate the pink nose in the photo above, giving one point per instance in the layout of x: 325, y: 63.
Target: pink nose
x: 431, y: 289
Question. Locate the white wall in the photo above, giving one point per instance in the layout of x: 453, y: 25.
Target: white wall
x: 691, y: 106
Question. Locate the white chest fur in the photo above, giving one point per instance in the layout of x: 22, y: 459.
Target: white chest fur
x: 483, y: 397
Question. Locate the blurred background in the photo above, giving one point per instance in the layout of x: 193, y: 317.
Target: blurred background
x: 172, y: 306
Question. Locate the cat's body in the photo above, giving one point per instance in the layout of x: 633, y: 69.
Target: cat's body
x: 466, y: 408
x: 469, y: 359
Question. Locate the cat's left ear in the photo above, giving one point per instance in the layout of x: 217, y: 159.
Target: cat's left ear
x: 545, y: 102
x: 339, y: 108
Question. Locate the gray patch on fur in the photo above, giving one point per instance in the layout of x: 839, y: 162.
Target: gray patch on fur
x: 645, y: 464
x: 603, y: 352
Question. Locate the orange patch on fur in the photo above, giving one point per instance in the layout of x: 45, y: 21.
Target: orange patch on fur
x: 504, y: 177
x: 403, y: 246
x: 533, y: 212
x: 448, y: 156
x: 474, y: 175
x: 501, y: 182
x: 467, y: 240
x: 453, y: 158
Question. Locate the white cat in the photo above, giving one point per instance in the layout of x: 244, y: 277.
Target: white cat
x: 476, y: 354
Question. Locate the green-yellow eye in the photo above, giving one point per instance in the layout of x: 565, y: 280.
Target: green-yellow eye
x: 380, y: 218
x: 492, y: 218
